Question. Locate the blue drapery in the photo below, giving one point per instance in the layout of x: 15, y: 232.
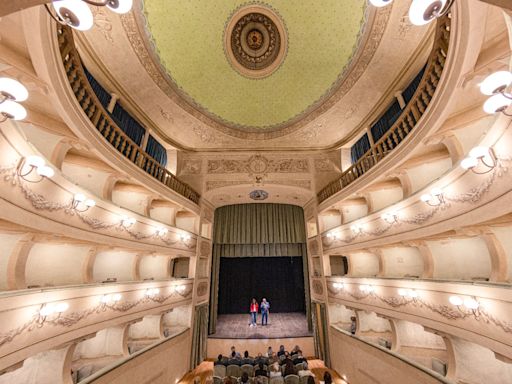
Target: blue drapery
x: 408, y: 92
x: 102, y: 94
x: 389, y: 117
x: 133, y: 129
x: 156, y: 151
x: 360, y: 147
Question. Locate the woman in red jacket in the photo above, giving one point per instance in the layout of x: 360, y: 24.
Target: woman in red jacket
x: 254, y: 312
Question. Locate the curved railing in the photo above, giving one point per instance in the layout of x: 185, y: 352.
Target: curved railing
x: 105, y: 125
x: 409, y: 118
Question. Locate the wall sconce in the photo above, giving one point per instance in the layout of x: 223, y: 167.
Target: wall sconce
x: 422, y: 12
x: 152, y: 292
x: 480, y: 157
x: 367, y: 288
x: 495, y: 85
x: 37, y: 164
x: 333, y: 235
x: 51, y: 309
x: 338, y: 285
x: 80, y: 203
x: 357, y: 228
x: 464, y: 305
x: 180, y: 289
x: 185, y: 237
x: 77, y: 14
x: 161, y: 231
x: 434, y: 198
x: 11, y: 93
x: 408, y: 293
x: 127, y: 221
x: 110, y: 298
x: 390, y: 217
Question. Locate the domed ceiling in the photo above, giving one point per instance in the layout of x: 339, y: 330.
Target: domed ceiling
x: 258, y: 66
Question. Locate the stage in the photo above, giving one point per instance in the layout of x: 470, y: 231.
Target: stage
x: 280, y: 326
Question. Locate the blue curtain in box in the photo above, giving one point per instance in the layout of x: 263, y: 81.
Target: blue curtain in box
x: 360, y: 147
x: 102, y: 94
x: 408, y: 92
x: 381, y: 126
x: 156, y: 151
x: 133, y: 129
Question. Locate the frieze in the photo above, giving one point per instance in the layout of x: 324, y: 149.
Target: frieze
x: 324, y: 165
x: 258, y: 164
x: 191, y: 167
x: 305, y: 184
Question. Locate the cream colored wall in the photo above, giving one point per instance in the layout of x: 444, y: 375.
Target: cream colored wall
x: 9, y: 242
x: 385, y: 197
x: 504, y: 235
x: 134, y: 201
x: 107, y: 342
x: 149, y: 328
x: 353, y: 212
x: 460, y: 258
x: 154, y: 266
x: 340, y: 314
x: 179, y: 316
x: 55, y: 264
x: 363, y: 264
x: 402, y: 261
x: 423, y: 174
x: 414, y: 335
x: 118, y: 264
x: 369, y: 321
x: 330, y: 221
x: 90, y: 179
x: 163, y: 214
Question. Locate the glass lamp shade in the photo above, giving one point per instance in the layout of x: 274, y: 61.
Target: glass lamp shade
x: 90, y: 203
x: 496, y: 103
x: 471, y: 303
x: 75, y: 13
x: 455, y: 300
x: 120, y: 6
x: 402, y: 292
x: 469, y: 162
x: 80, y: 197
x: 496, y: 82
x: 35, y: 161
x: 426, y: 198
x: 13, y: 110
x: 45, y: 171
x: 61, y: 307
x: 380, y: 3
x: 423, y: 12
x: 13, y: 88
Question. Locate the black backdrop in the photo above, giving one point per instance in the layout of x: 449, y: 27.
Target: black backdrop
x: 279, y: 279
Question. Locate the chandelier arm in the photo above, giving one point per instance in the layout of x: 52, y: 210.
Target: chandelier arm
x: 446, y: 8
x: 96, y: 3
x: 506, y: 114
x: 54, y: 17
x: 484, y: 172
x: 506, y: 95
x: 4, y: 117
x: 489, y: 165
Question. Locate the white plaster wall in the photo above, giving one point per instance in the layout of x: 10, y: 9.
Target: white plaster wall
x: 354, y: 212
x: 90, y: 179
x: 148, y: 328
x: 402, y: 261
x: 131, y: 200
x: 114, y: 264
x: 340, y: 314
x: 43, y: 368
x: 369, y: 321
x: 55, y: 264
x: 8, y: 242
x: 107, y: 342
x: 43, y: 140
x: 179, y: 316
x: 162, y: 214
x: 155, y: 266
x: 386, y: 197
x: 425, y: 173
x: 363, y: 264
x: 186, y: 223
x: 460, y: 258
x: 477, y: 364
x: 413, y: 335
x: 330, y: 221
x: 473, y: 133
x: 504, y: 235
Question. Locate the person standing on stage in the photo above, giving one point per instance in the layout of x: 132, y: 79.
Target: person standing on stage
x: 254, y: 312
x: 265, y: 306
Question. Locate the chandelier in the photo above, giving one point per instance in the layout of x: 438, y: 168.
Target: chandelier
x: 422, y: 12
x: 78, y: 15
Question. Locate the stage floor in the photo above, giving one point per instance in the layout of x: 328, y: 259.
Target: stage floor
x: 280, y: 325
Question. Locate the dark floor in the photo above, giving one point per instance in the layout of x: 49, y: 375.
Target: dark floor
x: 279, y: 325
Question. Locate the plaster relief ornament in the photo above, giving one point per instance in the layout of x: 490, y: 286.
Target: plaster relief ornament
x: 258, y: 195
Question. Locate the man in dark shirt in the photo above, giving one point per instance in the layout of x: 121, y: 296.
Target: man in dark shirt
x: 260, y: 359
x: 221, y: 360
x: 260, y: 371
x: 281, y: 351
x: 233, y: 360
x: 300, y: 359
x: 247, y: 359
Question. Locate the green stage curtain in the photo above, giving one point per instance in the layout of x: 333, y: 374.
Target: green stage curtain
x: 199, y: 336
x: 247, y: 230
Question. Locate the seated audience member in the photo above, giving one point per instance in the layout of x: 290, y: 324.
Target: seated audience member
x: 281, y: 351
x: 238, y: 356
x: 285, y: 358
x: 275, y: 370
x: 260, y: 371
x: 221, y: 360
x: 245, y: 378
x: 260, y: 359
x: 273, y: 359
x: 327, y: 378
x: 228, y: 380
x: 247, y: 359
x: 295, y: 350
x: 233, y: 360
x: 289, y: 368
x: 311, y: 380
x: 269, y: 352
x: 300, y: 359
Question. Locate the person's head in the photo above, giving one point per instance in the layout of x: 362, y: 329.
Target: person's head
x: 246, y: 354
x: 233, y: 354
x: 245, y: 377
x: 353, y: 318
x: 227, y: 380
x: 281, y: 347
x: 327, y: 378
x: 260, y: 365
x: 259, y: 354
x: 219, y: 357
x: 287, y: 354
x: 299, y: 352
x: 289, y: 364
x: 264, y: 300
x: 275, y: 367
x: 253, y: 300
x: 233, y: 348
x: 270, y: 348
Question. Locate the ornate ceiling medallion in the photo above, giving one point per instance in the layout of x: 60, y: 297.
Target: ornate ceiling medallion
x: 255, y: 41
x: 258, y: 195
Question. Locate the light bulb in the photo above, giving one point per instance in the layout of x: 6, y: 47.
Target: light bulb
x: 80, y: 197
x: 47, y: 310
x: 471, y: 303
x: 455, y: 300
x: 45, y: 171
x: 116, y: 297
x: 13, y: 88
x: 13, y: 110
x: 496, y: 82
x: 496, y: 103
x: 426, y: 198
x: 105, y: 299
x: 61, y: 307
x: 120, y: 6
x: 90, y: 203
x: 75, y: 13
x: 423, y: 12
x: 402, y: 292
x: 469, y: 163
x: 35, y: 161
x: 380, y: 3
x: 412, y: 293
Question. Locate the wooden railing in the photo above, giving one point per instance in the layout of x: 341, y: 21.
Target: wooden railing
x: 409, y: 118
x: 105, y: 125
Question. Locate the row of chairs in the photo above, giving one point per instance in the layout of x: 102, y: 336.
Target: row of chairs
x: 237, y: 371
x: 290, y: 379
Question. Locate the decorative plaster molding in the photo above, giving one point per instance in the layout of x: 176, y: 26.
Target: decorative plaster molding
x: 258, y: 165
x: 305, y: 184
x: 103, y: 23
x: 202, y: 288
x: 191, y: 167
